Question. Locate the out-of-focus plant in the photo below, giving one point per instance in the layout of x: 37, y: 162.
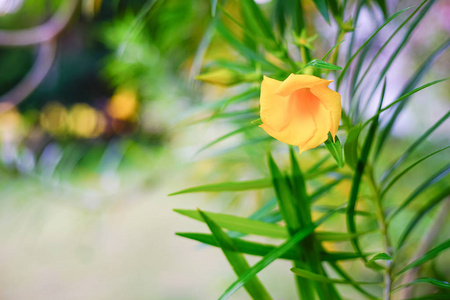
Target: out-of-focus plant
x: 382, y: 242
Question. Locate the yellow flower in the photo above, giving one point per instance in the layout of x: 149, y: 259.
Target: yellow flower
x: 300, y: 110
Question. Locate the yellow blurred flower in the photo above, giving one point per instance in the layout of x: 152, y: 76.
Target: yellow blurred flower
x: 300, y: 110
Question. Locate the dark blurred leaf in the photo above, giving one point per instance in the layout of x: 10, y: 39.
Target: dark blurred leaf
x: 323, y: 9
x: 383, y: 6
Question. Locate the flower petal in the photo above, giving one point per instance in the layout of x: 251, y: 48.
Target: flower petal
x: 332, y: 102
x: 295, y: 82
x: 322, y: 120
x: 273, y: 107
x: 300, y: 126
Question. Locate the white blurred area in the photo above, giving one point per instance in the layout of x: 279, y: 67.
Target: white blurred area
x: 10, y: 6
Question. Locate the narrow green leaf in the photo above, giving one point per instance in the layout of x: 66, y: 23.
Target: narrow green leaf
x: 413, y: 81
x: 427, y: 183
x: 320, y: 64
x: 411, y: 148
x: 331, y: 50
x: 428, y: 256
x: 233, y: 186
x: 335, y: 149
x: 322, y: 7
x: 317, y: 277
x: 326, y: 208
x: 326, y: 236
x: 438, y: 283
x: 420, y: 214
x: 391, y: 37
x: 344, y: 275
x: 351, y: 146
x: 402, y: 44
x: 401, y: 99
x: 259, y: 249
x: 359, y: 171
x: 299, y: 194
x: 284, y: 196
x: 338, y: 81
x: 272, y: 256
x: 224, y: 137
x: 239, y: 224
x: 237, y: 261
x: 406, y: 170
x: 247, y: 95
x: 244, y: 49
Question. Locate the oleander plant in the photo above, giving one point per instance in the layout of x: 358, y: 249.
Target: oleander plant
x: 316, y: 96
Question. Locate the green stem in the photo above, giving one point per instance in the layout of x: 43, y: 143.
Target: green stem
x: 381, y: 219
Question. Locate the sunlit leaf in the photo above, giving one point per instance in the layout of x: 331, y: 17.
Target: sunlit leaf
x: 239, y: 224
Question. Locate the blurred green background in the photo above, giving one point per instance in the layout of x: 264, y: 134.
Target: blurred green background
x: 89, y: 156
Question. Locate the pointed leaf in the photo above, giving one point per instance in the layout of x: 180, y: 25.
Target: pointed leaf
x: 323, y: 9
x: 335, y: 149
x: 238, y: 262
x: 239, y: 224
x: 320, y: 64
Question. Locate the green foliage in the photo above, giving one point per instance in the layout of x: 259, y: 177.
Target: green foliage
x: 265, y: 47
